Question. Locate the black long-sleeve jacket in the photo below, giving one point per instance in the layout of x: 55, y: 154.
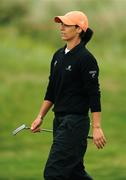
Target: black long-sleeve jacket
x: 73, y: 85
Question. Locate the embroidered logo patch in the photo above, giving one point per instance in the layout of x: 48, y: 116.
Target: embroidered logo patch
x: 55, y: 63
x: 93, y: 73
x: 69, y: 68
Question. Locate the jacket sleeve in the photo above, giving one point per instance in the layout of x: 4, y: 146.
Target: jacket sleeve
x: 90, y: 74
x: 49, y: 95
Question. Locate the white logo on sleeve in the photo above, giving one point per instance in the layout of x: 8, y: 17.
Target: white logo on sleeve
x: 93, y: 73
x: 55, y: 63
x: 69, y: 68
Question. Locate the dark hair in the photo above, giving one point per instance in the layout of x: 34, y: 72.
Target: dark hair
x: 86, y: 36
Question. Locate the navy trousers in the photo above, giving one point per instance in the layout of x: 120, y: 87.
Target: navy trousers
x: 65, y: 161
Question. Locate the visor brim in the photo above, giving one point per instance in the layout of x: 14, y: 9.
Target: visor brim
x: 63, y: 19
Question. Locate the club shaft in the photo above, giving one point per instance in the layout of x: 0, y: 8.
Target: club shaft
x: 90, y: 137
x: 46, y: 130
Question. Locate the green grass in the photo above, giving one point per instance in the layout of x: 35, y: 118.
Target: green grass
x: 24, y: 68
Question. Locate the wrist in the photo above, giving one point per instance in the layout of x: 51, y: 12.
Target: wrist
x: 96, y: 127
x: 40, y: 116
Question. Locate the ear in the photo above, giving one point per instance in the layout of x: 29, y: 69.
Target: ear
x: 79, y: 30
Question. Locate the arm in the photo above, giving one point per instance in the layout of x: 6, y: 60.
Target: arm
x: 91, y: 82
x: 46, y: 105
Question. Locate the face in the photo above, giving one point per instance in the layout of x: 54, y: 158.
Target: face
x: 69, y: 32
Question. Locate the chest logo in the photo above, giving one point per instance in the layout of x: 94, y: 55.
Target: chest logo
x: 69, y: 68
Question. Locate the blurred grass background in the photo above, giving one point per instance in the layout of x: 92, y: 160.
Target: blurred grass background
x: 28, y: 39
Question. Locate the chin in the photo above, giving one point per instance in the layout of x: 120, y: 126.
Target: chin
x: 64, y: 38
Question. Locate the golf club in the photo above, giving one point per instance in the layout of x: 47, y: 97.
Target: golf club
x: 22, y: 127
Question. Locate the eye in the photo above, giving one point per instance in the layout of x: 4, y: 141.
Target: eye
x: 65, y: 25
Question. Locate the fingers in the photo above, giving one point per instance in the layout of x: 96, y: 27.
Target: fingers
x: 35, y: 125
x: 99, y: 138
x: 36, y: 130
x: 99, y: 142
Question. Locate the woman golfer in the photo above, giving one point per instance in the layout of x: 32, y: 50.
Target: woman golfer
x: 73, y: 90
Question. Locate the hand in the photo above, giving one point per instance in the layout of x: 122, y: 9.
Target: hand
x: 98, y: 137
x: 36, y: 124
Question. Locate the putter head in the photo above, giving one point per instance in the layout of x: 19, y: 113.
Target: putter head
x: 20, y: 128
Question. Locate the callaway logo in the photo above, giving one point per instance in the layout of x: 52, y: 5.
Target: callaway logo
x: 93, y: 73
x: 69, y: 68
x: 55, y: 63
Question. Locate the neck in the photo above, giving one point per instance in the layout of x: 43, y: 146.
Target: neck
x: 72, y: 43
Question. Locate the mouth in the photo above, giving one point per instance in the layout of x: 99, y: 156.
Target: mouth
x: 63, y: 34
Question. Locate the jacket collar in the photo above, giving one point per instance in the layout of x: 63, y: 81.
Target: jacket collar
x: 75, y: 49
